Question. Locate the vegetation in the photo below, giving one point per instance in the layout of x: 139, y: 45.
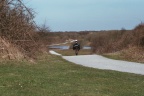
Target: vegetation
x: 134, y: 54
x: 61, y: 37
x: 112, y: 41
x: 71, y: 52
x: 18, y: 31
x: 53, y: 76
x: 47, y: 75
x: 128, y: 43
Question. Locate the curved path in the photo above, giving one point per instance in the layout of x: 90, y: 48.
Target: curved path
x: 100, y: 62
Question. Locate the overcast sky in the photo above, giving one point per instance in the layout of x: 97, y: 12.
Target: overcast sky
x: 80, y: 15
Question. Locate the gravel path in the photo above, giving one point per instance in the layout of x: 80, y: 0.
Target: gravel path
x: 100, y: 62
x: 54, y: 53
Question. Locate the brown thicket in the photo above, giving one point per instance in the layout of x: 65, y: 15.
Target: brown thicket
x: 112, y: 41
x: 139, y: 35
x: 18, y: 28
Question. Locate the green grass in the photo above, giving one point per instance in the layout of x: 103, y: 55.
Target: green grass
x: 53, y: 76
x: 71, y: 52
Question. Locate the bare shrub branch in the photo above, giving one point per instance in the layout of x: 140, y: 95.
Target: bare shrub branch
x: 17, y: 25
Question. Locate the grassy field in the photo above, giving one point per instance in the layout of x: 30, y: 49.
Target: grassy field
x: 53, y: 76
x: 71, y: 52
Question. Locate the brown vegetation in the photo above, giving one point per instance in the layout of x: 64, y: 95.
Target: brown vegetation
x: 18, y: 29
x: 112, y: 41
x: 21, y: 38
x: 128, y: 43
x: 61, y: 37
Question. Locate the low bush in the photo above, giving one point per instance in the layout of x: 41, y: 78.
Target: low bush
x: 112, y: 41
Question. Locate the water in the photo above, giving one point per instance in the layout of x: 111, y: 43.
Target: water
x: 59, y: 47
x: 86, y: 47
x: 66, y: 47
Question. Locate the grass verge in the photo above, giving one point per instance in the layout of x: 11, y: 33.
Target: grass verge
x: 53, y: 76
x: 71, y: 52
x: 133, y: 54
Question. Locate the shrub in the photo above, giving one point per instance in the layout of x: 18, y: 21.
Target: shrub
x: 139, y: 35
x: 17, y: 26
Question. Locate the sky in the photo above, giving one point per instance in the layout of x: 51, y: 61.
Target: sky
x: 87, y: 15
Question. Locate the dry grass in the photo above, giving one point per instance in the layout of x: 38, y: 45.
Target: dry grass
x: 128, y: 43
x: 9, y: 51
x: 133, y: 54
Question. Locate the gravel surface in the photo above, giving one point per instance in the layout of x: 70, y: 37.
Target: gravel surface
x: 100, y: 62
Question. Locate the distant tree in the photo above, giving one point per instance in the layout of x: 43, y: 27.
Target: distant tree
x: 123, y: 29
x: 44, y: 27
